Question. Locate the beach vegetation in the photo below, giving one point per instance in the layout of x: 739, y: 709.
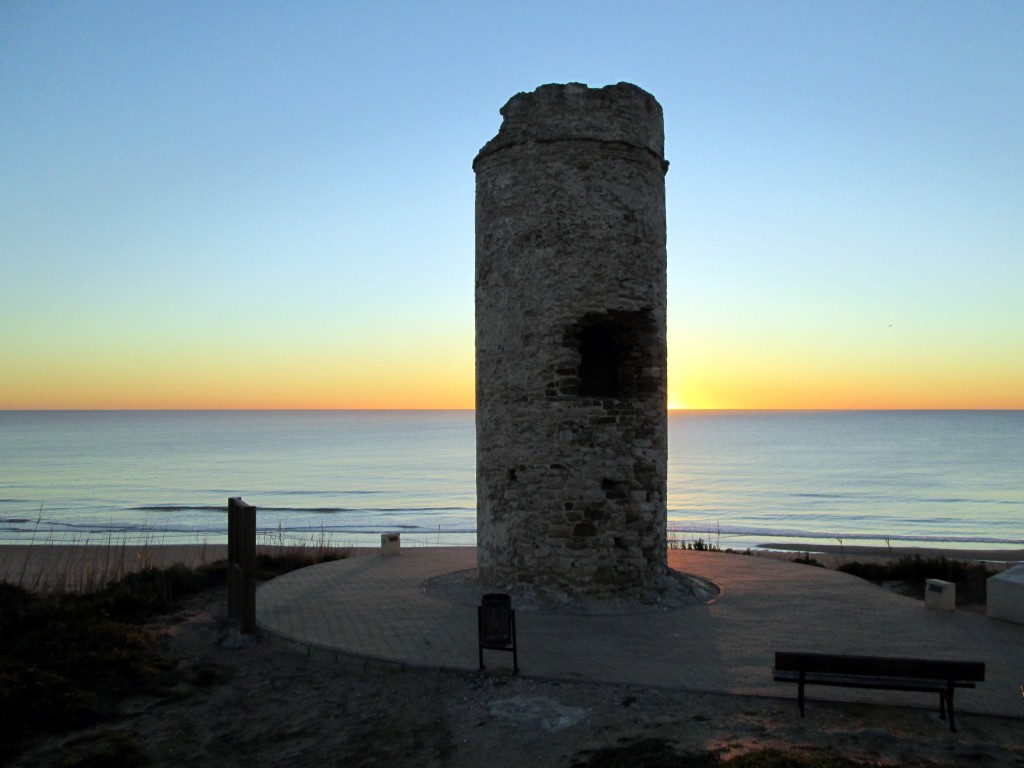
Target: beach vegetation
x: 970, y: 577
x: 55, y: 564
x: 699, y: 545
x: 67, y: 658
x: 694, y: 545
x: 808, y: 560
x: 277, y: 562
x: 712, y: 542
x: 278, y: 552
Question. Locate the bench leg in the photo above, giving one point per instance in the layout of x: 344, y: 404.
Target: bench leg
x: 949, y: 701
x: 515, y: 646
x: 479, y: 635
x: 800, y: 697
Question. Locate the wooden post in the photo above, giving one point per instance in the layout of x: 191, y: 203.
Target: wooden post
x: 234, y: 561
x: 242, y: 564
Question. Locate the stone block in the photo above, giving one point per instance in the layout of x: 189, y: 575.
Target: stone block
x: 391, y: 543
x: 1005, y: 595
x: 940, y: 595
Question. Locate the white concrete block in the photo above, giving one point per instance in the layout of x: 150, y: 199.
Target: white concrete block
x: 940, y: 595
x: 391, y: 543
x: 1005, y: 595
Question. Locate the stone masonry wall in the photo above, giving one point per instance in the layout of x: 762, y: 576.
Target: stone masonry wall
x: 570, y: 342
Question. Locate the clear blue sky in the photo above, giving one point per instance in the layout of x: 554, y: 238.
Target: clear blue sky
x: 186, y: 186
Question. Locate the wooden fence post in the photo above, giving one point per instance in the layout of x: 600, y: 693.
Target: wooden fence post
x: 234, y: 561
x: 242, y: 564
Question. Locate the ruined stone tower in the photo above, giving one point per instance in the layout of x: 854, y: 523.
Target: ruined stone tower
x: 570, y: 342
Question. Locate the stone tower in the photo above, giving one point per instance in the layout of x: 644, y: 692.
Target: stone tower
x: 571, y: 417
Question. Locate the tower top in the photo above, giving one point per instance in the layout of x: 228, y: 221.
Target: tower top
x: 621, y: 113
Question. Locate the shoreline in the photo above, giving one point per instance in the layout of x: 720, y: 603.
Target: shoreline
x: 1007, y: 557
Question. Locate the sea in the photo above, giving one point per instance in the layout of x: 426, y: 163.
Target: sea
x: 736, y: 479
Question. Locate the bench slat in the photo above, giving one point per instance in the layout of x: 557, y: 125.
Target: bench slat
x: 883, y: 666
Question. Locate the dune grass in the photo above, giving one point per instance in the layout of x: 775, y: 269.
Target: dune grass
x: 277, y: 552
x: 68, y: 656
x: 970, y: 578
x: 806, y: 559
x: 50, y: 563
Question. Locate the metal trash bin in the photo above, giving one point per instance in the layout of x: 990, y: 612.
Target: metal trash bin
x: 496, y: 626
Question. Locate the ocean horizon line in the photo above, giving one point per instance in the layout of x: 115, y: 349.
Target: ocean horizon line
x: 472, y: 410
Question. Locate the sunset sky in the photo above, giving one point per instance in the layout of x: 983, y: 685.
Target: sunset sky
x: 270, y: 205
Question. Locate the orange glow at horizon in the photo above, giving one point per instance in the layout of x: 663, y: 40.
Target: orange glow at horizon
x: 768, y: 388
x: 283, y: 388
x: 298, y: 383
x: 442, y: 377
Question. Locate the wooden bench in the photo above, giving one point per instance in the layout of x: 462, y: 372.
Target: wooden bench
x: 894, y: 674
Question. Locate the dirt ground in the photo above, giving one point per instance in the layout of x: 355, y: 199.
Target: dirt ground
x: 253, y: 704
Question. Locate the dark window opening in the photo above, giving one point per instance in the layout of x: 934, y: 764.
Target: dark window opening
x: 600, y: 363
x: 617, y: 356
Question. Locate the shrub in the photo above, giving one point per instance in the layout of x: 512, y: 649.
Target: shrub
x: 969, y: 578
x: 65, y: 657
x: 807, y: 560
